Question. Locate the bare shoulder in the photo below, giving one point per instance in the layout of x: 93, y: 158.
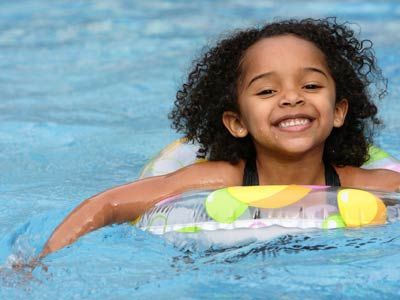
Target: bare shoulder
x: 379, y: 179
x: 210, y: 174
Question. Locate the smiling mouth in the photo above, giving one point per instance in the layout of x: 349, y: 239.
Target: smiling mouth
x: 294, y: 122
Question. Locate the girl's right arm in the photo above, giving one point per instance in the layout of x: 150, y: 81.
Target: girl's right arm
x: 127, y: 202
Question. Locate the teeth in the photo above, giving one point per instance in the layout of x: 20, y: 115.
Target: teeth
x: 293, y: 122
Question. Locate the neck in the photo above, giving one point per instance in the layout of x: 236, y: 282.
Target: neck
x: 305, y: 169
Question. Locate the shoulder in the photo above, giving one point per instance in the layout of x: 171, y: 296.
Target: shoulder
x: 210, y: 174
x: 378, y: 179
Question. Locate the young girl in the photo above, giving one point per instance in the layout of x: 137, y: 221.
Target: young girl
x: 287, y: 103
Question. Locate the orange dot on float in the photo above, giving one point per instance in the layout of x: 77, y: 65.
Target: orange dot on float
x: 272, y: 196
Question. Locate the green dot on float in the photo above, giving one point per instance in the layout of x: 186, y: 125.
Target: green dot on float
x: 189, y: 229
x: 333, y: 221
x: 223, y: 208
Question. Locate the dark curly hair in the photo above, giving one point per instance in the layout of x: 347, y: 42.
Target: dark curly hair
x: 212, y: 85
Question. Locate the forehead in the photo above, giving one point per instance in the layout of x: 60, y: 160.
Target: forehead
x: 285, y: 52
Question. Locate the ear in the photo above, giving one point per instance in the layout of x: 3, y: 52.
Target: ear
x: 234, y: 124
x: 340, y: 112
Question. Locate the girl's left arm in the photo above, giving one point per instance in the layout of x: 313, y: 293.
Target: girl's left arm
x: 374, y: 179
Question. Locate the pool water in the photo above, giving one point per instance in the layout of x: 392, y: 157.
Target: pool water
x: 85, y: 88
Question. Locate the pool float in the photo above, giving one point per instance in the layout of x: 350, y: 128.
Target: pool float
x: 228, y: 216
x: 180, y: 153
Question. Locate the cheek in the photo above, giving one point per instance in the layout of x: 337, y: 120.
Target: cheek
x: 255, y: 115
x: 328, y: 110
x: 261, y: 129
x: 253, y: 125
x: 328, y: 118
x: 259, y: 120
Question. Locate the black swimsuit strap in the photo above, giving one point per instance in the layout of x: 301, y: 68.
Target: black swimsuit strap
x: 331, y: 177
x: 250, y: 176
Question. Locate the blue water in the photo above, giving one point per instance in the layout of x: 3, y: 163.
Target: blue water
x: 85, y: 87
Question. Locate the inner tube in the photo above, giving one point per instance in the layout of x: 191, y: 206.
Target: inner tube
x: 243, y: 214
x: 229, y: 216
x: 181, y: 153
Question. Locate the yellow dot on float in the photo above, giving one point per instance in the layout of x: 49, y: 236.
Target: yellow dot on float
x: 359, y: 208
x: 271, y: 196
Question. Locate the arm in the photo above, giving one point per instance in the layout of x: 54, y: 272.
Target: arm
x: 374, y: 179
x: 127, y: 202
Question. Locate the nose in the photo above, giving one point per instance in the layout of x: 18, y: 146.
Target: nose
x: 292, y: 98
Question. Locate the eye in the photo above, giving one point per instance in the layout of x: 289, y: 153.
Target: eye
x: 266, y: 92
x: 312, y: 86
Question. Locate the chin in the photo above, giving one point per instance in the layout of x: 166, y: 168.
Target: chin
x: 297, y: 149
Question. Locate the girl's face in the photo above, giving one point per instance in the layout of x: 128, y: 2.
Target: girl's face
x: 286, y: 97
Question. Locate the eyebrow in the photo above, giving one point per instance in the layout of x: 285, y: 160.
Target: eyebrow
x: 267, y: 74
x: 312, y: 69
x: 260, y: 76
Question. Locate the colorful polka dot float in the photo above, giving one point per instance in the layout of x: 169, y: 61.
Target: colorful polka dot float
x: 356, y: 207
x: 280, y: 208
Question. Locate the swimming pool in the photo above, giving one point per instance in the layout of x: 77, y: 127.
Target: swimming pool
x: 85, y: 88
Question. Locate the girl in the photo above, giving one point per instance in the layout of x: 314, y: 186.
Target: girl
x: 287, y: 103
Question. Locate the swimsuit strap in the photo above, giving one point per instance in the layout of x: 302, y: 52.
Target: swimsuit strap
x: 331, y: 177
x: 250, y: 176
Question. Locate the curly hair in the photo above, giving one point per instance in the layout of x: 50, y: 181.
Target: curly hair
x: 212, y: 85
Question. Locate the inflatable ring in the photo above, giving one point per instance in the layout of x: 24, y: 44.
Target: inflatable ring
x: 180, y: 153
x: 227, y: 216
x: 208, y: 217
